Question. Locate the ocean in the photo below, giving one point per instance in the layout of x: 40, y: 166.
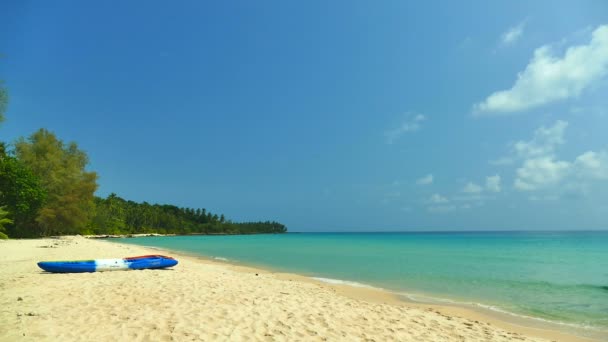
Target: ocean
x: 561, y: 277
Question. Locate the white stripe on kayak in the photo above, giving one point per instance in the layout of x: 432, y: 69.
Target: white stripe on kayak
x: 110, y: 265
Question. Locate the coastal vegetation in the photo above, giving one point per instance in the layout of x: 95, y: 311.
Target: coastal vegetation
x: 114, y: 215
x: 45, y: 190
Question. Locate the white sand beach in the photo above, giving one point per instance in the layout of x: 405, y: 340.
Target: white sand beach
x: 205, y: 300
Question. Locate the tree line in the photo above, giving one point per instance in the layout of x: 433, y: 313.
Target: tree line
x: 114, y: 215
x: 46, y: 190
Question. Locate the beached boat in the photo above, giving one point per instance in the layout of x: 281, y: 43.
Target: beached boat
x: 132, y: 263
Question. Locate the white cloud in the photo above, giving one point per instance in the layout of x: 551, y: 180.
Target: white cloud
x: 592, y: 165
x: 438, y: 199
x: 440, y: 204
x: 474, y: 193
x: 426, y: 180
x: 450, y: 207
x: 544, y: 142
x: 412, y: 124
x: 419, y: 118
x: 597, y: 110
x: 502, y: 161
x: 548, y: 78
x: 542, y: 169
x: 472, y: 188
x: 537, y: 173
x: 493, y: 183
x: 513, y: 34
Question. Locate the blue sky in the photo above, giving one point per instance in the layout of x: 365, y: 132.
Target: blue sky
x: 329, y: 115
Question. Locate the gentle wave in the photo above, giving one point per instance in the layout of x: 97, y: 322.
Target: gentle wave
x: 220, y: 258
x: 153, y: 247
x: 439, y: 300
x: 345, y: 282
x: 544, y: 285
x: 554, y: 278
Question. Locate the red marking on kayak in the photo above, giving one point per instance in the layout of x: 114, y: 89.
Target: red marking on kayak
x: 147, y: 257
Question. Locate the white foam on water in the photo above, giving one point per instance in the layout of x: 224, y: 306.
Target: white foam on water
x: 344, y: 282
x: 152, y: 247
x: 439, y: 300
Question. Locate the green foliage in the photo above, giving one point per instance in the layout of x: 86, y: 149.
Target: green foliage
x: 22, y: 195
x: 61, y: 170
x: 3, y: 101
x: 45, y: 190
x: 4, y: 220
x: 115, y: 215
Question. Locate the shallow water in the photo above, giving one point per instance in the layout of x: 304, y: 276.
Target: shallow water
x: 557, y: 276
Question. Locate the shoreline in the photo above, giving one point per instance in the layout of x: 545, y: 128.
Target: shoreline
x: 203, y: 298
x: 137, y: 235
x: 527, y: 325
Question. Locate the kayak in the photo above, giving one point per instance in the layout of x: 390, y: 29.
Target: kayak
x: 98, y: 265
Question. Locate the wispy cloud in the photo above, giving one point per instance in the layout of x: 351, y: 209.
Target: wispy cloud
x: 412, y: 124
x: 439, y: 204
x: 473, y: 197
x: 540, y: 165
x: 426, y: 180
x: 540, y: 172
x: 544, y: 142
x: 592, y: 165
x: 472, y: 188
x: 549, y: 78
x: 493, y: 183
x: 438, y: 199
x: 502, y: 161
x: 513, y: 34
x: 447, y: 208
x: 542, y: 169
x: 475, y: 190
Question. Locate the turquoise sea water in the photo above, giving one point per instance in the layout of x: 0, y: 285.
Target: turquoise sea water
x: 556, y: 276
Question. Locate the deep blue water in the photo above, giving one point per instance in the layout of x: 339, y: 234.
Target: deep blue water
x: 558, y: 276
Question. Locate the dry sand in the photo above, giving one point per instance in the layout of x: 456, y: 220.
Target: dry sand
x: 205, y: 300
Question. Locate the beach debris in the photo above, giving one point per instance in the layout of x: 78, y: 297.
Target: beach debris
x: 31, y: 314
x: 19, y: 299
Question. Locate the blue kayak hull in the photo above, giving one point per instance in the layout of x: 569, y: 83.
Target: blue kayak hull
x: 131, y: 263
